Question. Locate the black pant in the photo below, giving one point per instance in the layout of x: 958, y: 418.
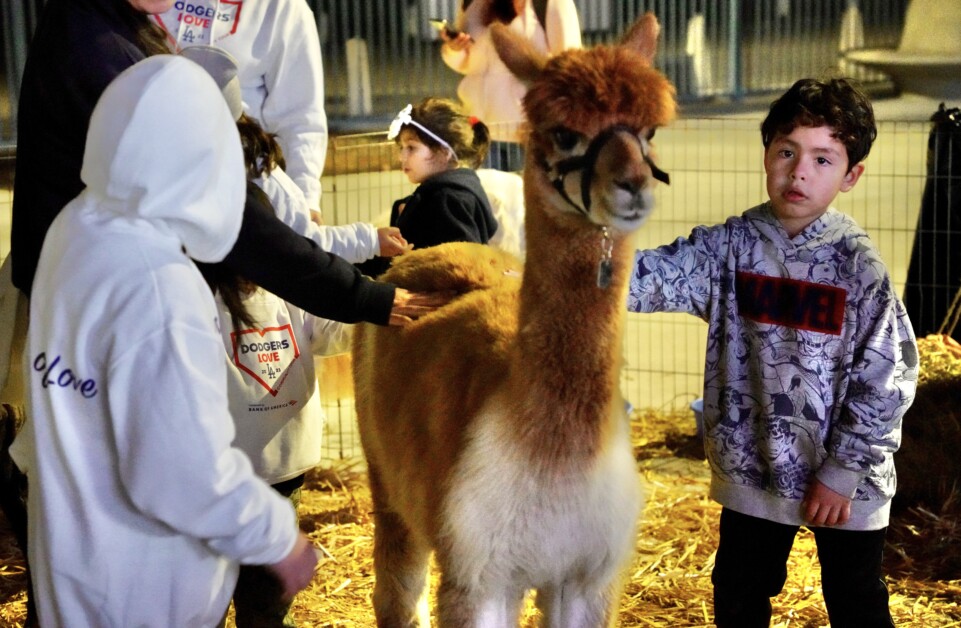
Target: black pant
x: 751, y: 568
x: 258, y: 596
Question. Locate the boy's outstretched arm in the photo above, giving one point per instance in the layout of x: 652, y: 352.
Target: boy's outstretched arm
x: 677, y: 277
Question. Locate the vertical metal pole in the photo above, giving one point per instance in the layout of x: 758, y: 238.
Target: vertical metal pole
x: 734, y: 49
x: 17, y: 36
x: 20, y: 37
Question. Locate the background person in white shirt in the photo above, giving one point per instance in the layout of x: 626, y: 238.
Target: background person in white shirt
x: 277, y: 48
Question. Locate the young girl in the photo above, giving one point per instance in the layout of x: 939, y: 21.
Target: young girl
x: 270, y: 343
x: 440, y: 148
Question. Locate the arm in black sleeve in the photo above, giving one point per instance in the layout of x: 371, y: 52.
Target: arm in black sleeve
x: 375, y: 266
x: 74, y: 55
x: 276, y: 258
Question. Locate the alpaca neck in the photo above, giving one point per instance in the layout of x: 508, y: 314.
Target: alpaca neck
x: 569, y: 336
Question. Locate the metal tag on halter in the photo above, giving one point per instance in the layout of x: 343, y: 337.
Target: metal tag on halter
x: 605, y: 267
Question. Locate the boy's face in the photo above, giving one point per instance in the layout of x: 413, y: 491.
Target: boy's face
x: 805, y: 171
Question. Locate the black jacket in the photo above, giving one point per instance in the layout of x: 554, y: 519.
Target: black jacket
x: 78, y: 48
x: 450, y: 206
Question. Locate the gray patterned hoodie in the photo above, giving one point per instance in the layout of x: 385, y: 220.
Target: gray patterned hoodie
x: 811, y: 360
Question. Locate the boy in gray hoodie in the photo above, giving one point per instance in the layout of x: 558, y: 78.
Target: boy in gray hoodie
x: 811, y: 365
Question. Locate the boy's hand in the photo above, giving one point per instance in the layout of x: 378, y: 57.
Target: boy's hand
x: 824, y: 507
x: 296, y: 570
x: 392, y: 242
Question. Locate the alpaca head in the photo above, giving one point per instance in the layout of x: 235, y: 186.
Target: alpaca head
x: 591, y: 115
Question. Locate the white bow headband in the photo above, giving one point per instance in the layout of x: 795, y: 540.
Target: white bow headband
x: 403, y: 118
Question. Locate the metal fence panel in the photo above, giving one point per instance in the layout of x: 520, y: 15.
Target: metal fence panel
x: 708, y: 49
x: 378, y: 56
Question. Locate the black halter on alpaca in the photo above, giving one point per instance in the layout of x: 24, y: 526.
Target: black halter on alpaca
x: 587, y: 162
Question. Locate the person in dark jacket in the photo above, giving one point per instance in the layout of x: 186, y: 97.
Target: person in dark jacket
x: 77, y: 50
x: 440, y: 148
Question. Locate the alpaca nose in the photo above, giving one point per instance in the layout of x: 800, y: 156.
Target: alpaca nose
x: 626, y: 160
x: 632, y: 186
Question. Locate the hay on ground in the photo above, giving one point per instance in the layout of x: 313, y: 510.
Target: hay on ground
x: 668, y: 583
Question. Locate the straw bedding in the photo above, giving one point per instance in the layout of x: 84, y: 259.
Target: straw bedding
x: 669, y: 582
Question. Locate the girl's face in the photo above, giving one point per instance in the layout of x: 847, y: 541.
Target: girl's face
x: 152, y: 7
x: 418, y: 161
x: 805, y: 171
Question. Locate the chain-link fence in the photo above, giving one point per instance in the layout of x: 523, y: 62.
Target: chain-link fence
x: 716, y: 170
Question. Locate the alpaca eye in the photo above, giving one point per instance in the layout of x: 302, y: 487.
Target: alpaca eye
x: 565, y: 139
x: 650, y: 133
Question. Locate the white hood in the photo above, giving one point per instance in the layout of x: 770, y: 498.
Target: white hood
x: 163, y: 147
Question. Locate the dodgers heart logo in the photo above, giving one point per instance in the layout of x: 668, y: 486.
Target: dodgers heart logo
x: 193, y: 22
x: 266, y: 354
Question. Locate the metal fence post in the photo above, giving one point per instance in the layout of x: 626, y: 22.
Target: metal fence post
x: 19, y: 19
x: 734, y: 49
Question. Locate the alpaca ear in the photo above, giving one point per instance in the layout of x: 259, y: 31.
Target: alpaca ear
x: 517, y: 53
x: 642, y: 36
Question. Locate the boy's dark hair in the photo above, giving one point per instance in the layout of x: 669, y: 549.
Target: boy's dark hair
x: 468, y: 137
x: 836, y: 103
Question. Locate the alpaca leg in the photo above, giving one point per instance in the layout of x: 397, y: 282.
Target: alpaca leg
x: 400, y: 570
x: 570, y: 606
x: 459, y: 607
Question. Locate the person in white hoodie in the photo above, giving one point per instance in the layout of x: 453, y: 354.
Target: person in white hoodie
x: 277, y: 48
x: 270, y: 344
x: 140, y: 510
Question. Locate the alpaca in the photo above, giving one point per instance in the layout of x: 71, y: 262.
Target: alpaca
x: 493, y: 428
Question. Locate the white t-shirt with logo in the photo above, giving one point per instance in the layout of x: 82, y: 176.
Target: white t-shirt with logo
x: 272, y: 383
x: 277, y: 49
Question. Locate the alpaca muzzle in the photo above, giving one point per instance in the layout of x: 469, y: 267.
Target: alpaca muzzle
x: 587, y: 163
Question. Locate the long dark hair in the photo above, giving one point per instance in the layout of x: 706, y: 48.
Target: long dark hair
x: 151, y: 38
x: 497, y: 10
x: 231, y: 287
x: 262, y: 154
